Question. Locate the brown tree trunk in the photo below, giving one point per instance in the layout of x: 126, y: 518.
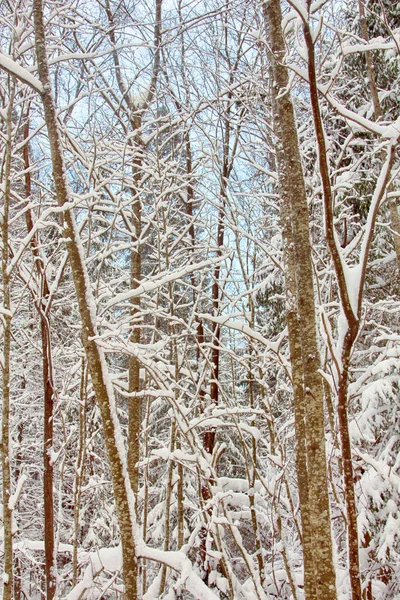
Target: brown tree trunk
x: 134, y: 115
x: 298, y: 403
x: 48, y: 386
x: 48, y: 467
x: 79, y: 469
x: 96, y: 360
x: 5, y: 366
x: 352, y: 313
x: 348, y: 473
x: 293, y: 194
x: 209, y: 435
x: 134, y: 412
x: 353, y: 324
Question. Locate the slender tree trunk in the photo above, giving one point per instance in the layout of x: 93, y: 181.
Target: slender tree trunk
x: 253, y: 472
x: 179, y: 500
x: 168, y: 495
x: 227, y: 164
x: 102, y: 386
x: 146, y: 495
x: 79, y: 469
x: 352, y: 315
x: 209, y: 435
x: 295, y: 350
x: 48, y: 386
x: 135, y: 119
x: 293, y: 194
x: 5, y: 366
x: 47, y: 458
x: 134, y: 412
x: 348, y: 473
x: 18, y: 472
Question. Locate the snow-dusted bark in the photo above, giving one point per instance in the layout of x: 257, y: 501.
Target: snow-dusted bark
x: 43, y: 307
x: 319, y: 565
x: 351, y: 292
x: 6, y: 316
x: 96, y: 360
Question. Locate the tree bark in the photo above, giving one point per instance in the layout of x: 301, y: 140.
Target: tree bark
x: 293, y: 195
x: 48, y: 386
x: 352, y: 321
x: 6, y: 366
x: 298, y: 402
x: 351, y: 312
x: 96, y: 360
x: 79, y: 469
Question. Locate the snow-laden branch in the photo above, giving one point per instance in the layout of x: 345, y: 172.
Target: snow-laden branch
x: 110, y: 559
x: 94, y: 55
x: 248, y: 331
x: 154, y: 284
x: 13, y: 500
x: 41, y: 223
x: 377, y: 198
x: 375, y: 44
x: 386, y: 132
x: 10, y: 66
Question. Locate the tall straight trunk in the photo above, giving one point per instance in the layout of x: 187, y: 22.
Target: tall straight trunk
x: 79, y: 469
x: 293, y: 195
x: 352, y: 314
x: 6, y: 367
x: 145, y: 511
x: 293, y: 325
x: 134, y: 412
x: 252, y: 472
x: 135, y: 225
x: 48, y: 386
x: 134, y: 114
x: 136, y: 144
x: 18, y: 472
x: 209, y: 435
x: 227, y: 164
x: 167, y: 509
x: 351, y: 334
x: 300, y: 424
x: 102, y: 386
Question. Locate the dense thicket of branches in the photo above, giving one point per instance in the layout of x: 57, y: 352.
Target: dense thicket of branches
x: 200, y: 315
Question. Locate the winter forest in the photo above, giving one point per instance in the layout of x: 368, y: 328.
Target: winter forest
x: 199, y: 306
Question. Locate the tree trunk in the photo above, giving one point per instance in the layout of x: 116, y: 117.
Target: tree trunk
x: 293, y: 194
x: 96, y: 360
x: 79, y: 469
x: 5, y: 366
x: 298, y: 403
x: 48, y: 385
